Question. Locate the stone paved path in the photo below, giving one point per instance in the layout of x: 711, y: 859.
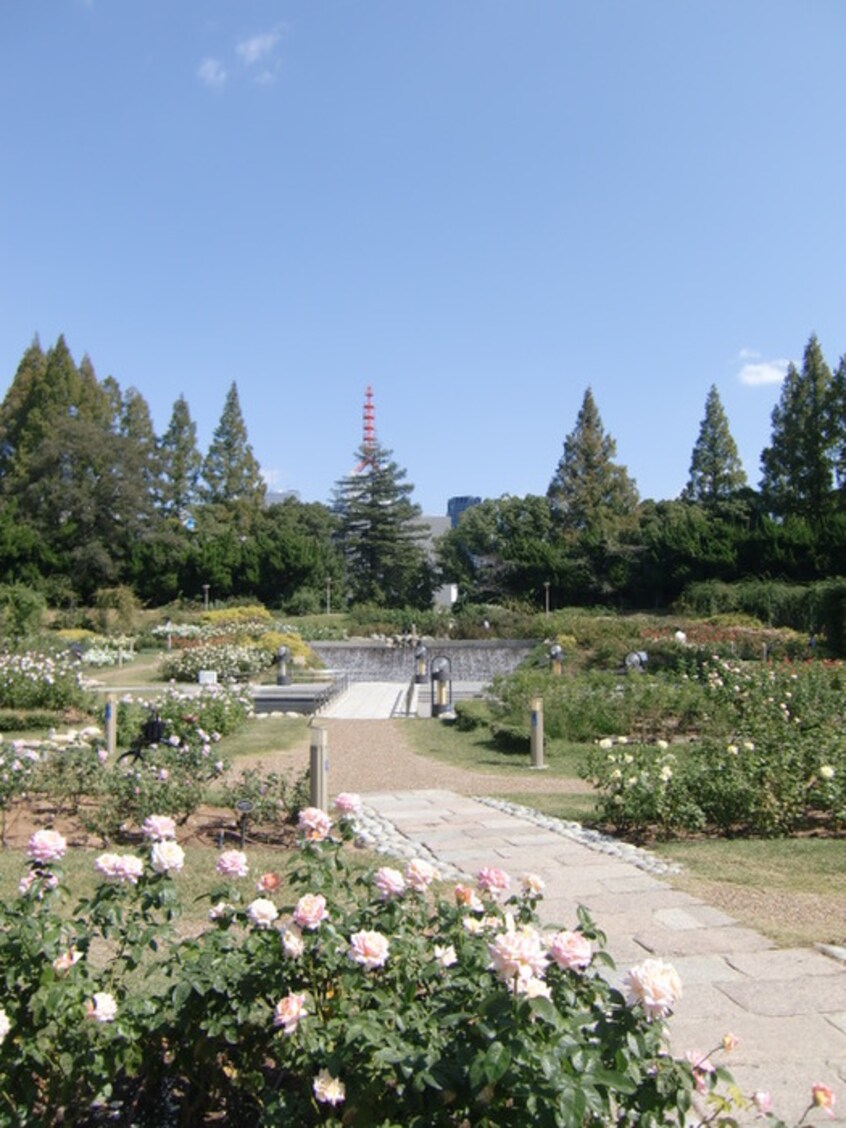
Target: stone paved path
x: 788, y: 1007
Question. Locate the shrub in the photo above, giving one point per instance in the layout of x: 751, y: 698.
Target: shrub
x: 378, y: 1000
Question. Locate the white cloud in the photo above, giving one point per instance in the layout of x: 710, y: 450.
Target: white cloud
x: 764, y: 372
x: 748, y: 354
x: 252, y: 50
x: 211, y: 72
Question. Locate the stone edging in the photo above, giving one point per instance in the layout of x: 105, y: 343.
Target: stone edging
x: 592, y: 839
x: 377, y: 833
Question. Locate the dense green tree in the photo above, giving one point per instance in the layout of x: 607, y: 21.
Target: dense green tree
x: 716, y: 472
x: 797, y: 466
x: 591, y: 493
x: 180, y: 463
x: 379, y: 534
x: 837, y: 429
x: 502, y: 548
x: 231, y: 473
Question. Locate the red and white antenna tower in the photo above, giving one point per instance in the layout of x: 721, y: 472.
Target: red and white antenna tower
x: 368, y: 441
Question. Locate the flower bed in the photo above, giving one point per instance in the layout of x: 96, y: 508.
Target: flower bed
x: 385, y: 999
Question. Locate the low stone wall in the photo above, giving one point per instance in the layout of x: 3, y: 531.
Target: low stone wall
x: 366, y: 660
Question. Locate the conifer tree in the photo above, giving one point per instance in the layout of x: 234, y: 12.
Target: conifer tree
x: 181, y: 463
x: 380, y: 535
x: 716, y: 471
x: 231, y: 473
x: 589, y: 492
x: 797, y: 466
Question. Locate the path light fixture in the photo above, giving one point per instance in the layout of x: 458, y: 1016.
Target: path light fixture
x: 420, y: 664
x: 636, y: 661
x: 556, y: 656
x: 282, y: 675
x: 441, y: 670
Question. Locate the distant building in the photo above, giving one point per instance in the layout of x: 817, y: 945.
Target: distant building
x: 457, y: 505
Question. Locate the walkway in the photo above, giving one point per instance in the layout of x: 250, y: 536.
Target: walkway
x: 787, y: 1007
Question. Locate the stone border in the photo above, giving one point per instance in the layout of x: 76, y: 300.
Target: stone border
x: 592, y: 839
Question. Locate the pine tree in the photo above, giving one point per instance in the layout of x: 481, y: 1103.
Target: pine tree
x: 797, y: 466
x: 231, y: 472
x: 589, y: 492
x: 379, y: 534
x: 716, y: 471
x: 181, y: 463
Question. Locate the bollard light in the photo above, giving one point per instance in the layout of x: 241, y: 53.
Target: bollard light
x: 319, y: 767
x: 556, y: 655
x: 536, y: 734
x: 420, y: 664
x: 282, y: 675
x: 441, y: 685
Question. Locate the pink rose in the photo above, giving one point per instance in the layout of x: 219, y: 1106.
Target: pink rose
x: 389, y: 882
x: 655, y: 985
x: 314, y: 823
x: 348, y: 803
x: 233, y: 863
x: 370, y: 949
x: 158, y: 827
x: 311, y: 910
x: 262, y: 912
x: 494, y: 881
x: 5, y: 1025
x: 120, y: 867
x: 420, y: 874
x: 763, y: 1103
x: 46, y: 846
x: 268, y: 883
x: 571, y: 950
x: 518, y: 955
x: 289, y: 1012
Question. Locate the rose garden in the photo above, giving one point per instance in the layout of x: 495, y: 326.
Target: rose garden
x: 164, y: 965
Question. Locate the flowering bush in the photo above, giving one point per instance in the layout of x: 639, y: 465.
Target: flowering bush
x: 424, y: 1006
x: 229, y: 660
x: 38, y: 681
x: 773, y: 764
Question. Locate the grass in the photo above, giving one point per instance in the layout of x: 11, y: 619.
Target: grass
x: 791, y: 889
x: 143, y: 669
x: 264, y: 736
x: 476, y: 751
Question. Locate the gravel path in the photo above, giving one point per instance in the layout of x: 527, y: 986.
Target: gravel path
x: 378, y: 756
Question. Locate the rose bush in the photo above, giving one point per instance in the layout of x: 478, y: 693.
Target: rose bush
x: 435, y: 1005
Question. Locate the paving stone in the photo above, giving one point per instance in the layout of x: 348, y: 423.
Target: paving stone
x: 838, y: 1019
x: 667, y: 942
x: 806, y: 996
x: 786, y: 963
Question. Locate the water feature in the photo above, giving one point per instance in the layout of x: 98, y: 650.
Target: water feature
x: 376, y: 660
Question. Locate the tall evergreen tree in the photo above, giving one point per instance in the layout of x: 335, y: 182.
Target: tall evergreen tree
x: 589, y: 492
x: 380, y: 535
x: 181, y: 463
x: 716, y: 471
x: 231, y: 472
x: 797, y: 466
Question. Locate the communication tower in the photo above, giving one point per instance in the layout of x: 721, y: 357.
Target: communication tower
x: 368, y: 441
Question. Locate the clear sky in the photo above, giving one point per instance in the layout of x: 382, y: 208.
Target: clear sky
x: 478, y: 207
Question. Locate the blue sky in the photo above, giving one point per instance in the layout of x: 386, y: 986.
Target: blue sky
x: 479, y: 208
